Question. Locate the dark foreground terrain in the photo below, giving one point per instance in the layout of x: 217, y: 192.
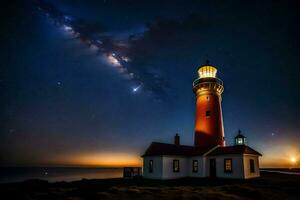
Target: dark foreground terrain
x: 269, y: 186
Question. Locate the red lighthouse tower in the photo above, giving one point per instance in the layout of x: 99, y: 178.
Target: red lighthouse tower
x: 209, y: 130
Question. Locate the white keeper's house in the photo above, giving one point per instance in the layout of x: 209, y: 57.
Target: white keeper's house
x: 209, y: 156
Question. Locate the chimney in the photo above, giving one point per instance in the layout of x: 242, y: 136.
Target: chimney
x: 177, y: 139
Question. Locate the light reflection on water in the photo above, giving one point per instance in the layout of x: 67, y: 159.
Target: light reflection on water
x: 54, y: 174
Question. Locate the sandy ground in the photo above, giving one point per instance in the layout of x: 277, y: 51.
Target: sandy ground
x: 268, y: 186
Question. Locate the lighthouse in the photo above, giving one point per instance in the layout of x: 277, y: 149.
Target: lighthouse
x: 208, y: 156
x: 209, y: 130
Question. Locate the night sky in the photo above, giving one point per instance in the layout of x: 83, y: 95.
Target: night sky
x: 64, y: 103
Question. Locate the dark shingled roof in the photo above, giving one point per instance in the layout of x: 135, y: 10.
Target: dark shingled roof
x: 238, y: 149
x: 157, y: 148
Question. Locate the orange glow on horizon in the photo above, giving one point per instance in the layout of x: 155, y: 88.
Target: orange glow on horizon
x: 293, y: 159
x: 280, y: 157
x: 103, y: 159
x: 271, y: 158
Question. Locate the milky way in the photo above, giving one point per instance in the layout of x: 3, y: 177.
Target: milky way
x: 115, y: 52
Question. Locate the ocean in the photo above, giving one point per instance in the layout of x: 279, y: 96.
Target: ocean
x: 54, y: 174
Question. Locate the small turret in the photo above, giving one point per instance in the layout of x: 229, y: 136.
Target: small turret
x: 240, y: 139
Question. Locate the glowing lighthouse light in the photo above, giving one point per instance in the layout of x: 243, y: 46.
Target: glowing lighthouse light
x: 207, y: 72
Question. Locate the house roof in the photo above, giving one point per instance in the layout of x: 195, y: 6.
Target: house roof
x: 238, y: 149
x: 157, y: 148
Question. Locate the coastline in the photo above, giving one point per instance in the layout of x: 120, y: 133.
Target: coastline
x: 56, y: 174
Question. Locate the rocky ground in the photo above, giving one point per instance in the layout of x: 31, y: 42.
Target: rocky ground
x: 268, y: 186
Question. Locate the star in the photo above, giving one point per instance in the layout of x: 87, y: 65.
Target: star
x: 135, y: 89
x: 59, y: 84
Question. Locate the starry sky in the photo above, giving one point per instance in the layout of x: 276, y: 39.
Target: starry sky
x: 64, y: 103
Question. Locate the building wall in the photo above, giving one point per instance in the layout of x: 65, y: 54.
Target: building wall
x: 163, y: 167
x: 206, y: 166
x: 247, y: 172
x: 237, y: 166
x: 201, y: 167
x: 157, y: 167
x: 167, y: 172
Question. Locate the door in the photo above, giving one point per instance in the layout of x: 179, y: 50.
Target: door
x: 212, y: 168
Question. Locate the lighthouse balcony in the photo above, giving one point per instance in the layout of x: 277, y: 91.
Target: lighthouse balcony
x: 203, y: 85
x: 207, y: 80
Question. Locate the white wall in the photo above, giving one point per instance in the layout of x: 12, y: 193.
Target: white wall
x: 163, y: 166
x: 247, y: 172
x: 205, y: 166
x: 157, y: 167
x: 237, y: 166
x: 201, y: 167
x: 168, y: 167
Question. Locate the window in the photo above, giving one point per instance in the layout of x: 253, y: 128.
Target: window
x: 150, y: 166
x: 195, y: 166
x: 207, y: 113
x: 239, y: 140
x: 228, y: 165
x: 175, y: 165
x: 252, y: 167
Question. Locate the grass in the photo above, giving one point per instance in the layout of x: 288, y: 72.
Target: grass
x: 268, y: 186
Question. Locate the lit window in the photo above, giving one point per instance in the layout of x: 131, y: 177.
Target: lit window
x: 207, y: 113
x: 227, y: 165
x: 195, y: 166
x: 150, y: 166
x: 207, y: 71
x: 175, y: 165
x: 252, y: 167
